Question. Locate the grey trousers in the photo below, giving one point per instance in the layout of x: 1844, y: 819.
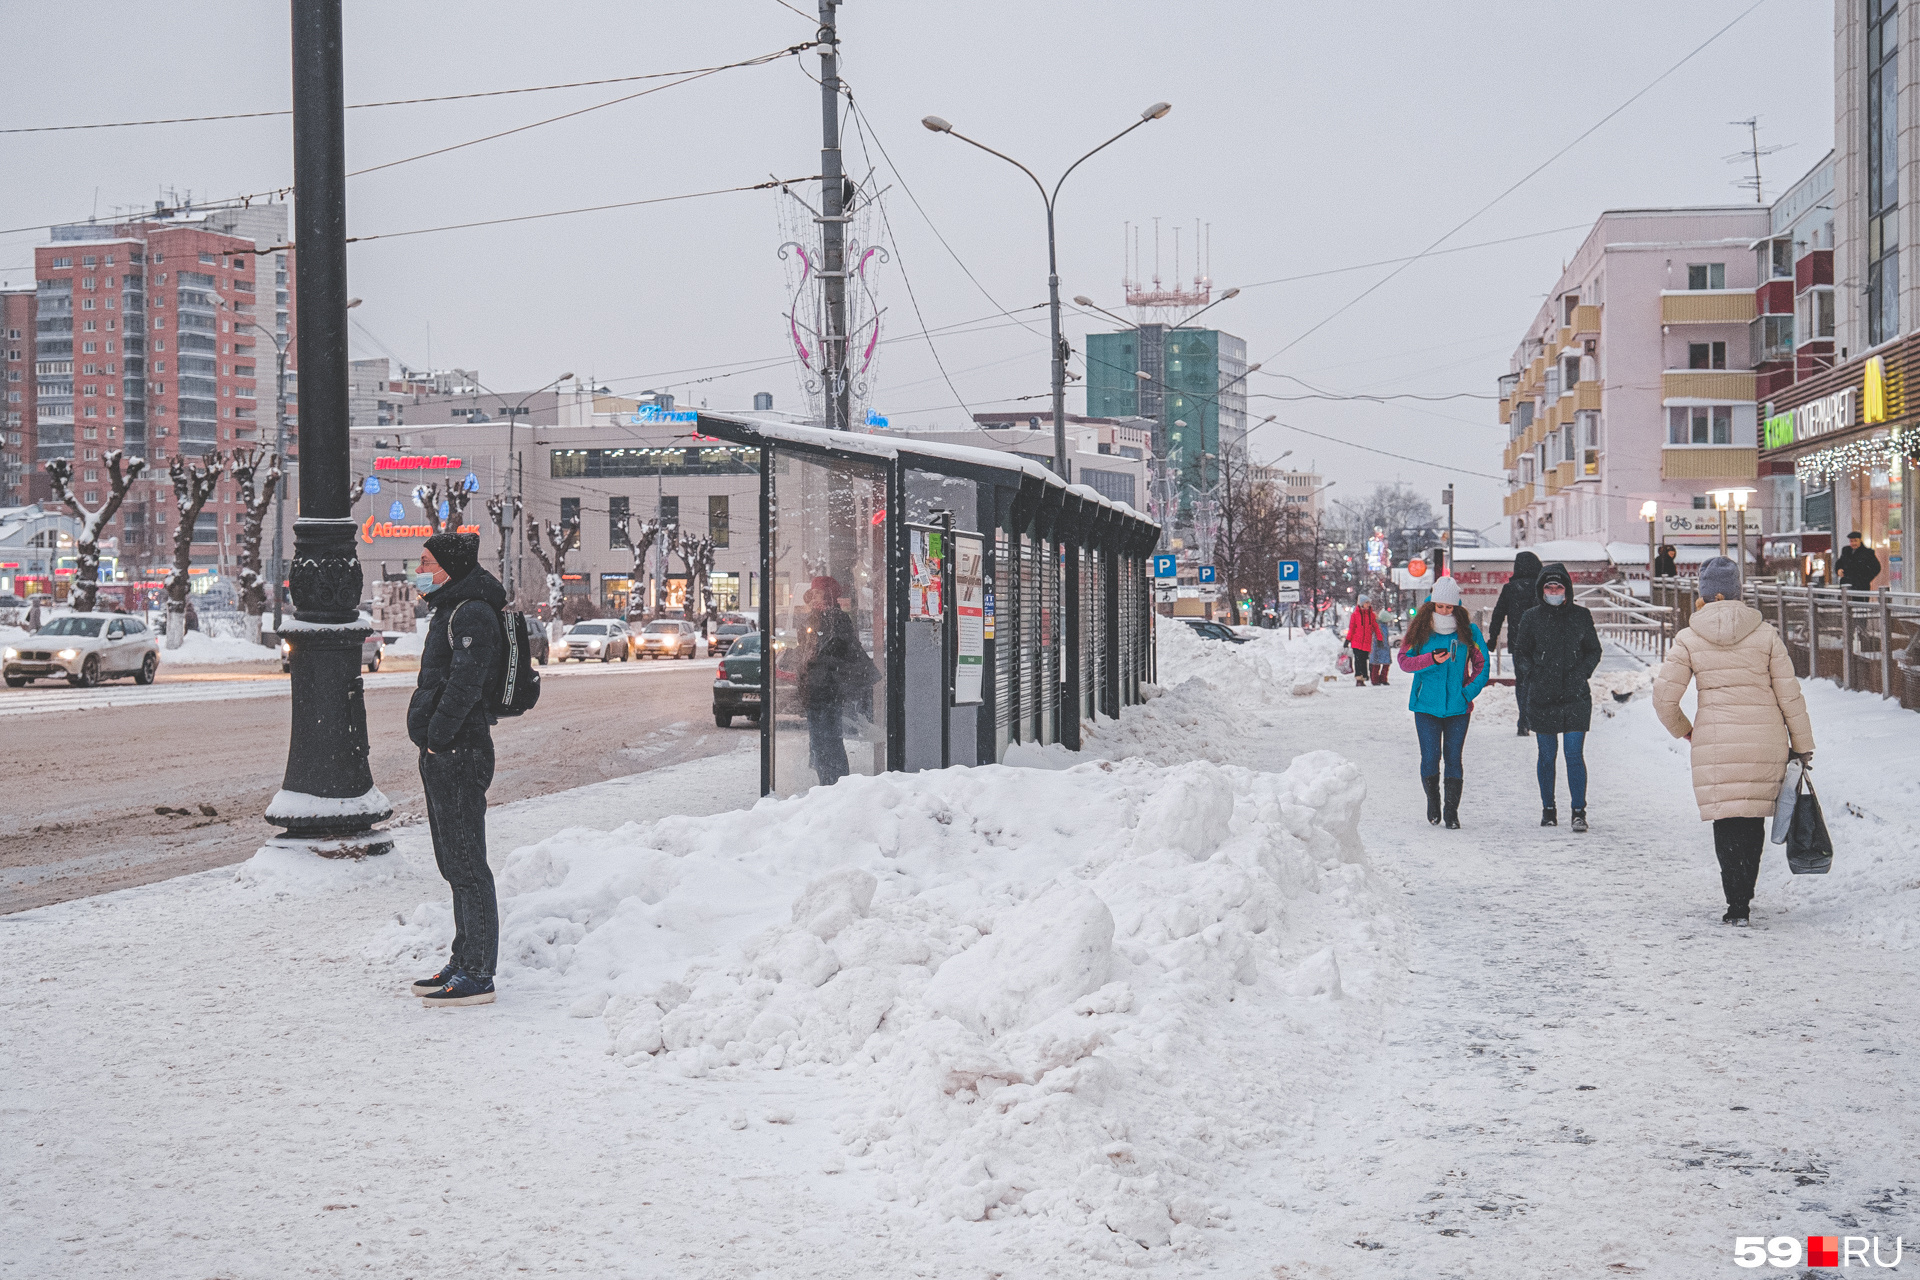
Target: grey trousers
x: 456, y: 782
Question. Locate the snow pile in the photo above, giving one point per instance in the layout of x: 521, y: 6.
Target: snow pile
x: 410, y: 644
x: 198, y: 648
x: 1091, y: 996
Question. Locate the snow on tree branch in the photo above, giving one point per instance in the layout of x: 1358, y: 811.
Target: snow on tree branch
x: 86, y: 560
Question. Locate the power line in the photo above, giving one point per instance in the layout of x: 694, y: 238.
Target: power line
x: 405, y: 102
x: 1415, y: 257
x: 562, y: 213
x: 1521, y: 181
x: 1386, y: 453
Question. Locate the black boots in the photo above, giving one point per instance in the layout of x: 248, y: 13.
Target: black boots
x: 1433, y: 798
x: 1580, y: 821
x: 1549, y: 816
x: 1452, y: 813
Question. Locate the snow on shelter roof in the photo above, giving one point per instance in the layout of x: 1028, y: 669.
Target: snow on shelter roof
x: 746, y: 429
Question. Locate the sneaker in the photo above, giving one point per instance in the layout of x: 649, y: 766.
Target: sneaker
x: 1549, y: 817
x: 1735, y: 916
x: 461, y: 989
x: 1580, y: 820
x: 437, y: 981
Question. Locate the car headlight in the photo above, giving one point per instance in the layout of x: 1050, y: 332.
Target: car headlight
x: 68, y: 655
x: 12, y: 654
x: 286, y: 647
x: 593, y: 646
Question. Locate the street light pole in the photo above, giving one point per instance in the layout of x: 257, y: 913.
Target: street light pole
x: 937, y: 125
x: 327, y: 801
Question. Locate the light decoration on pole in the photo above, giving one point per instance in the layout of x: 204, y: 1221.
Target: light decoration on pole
x: 807, y: 311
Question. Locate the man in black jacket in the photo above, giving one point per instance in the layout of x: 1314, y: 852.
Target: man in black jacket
x: 462, y: 666
x: 1664, y: 565
x: 1555, y: 649
x: 1857, y: 566
x: 1516, y: 597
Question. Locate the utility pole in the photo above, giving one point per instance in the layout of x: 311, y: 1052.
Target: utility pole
x: 833, y: 228
x: 327, y: 801
x: 1446, y: 497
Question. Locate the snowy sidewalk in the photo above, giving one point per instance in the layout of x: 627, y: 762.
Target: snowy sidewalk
x: 1108, y: 1020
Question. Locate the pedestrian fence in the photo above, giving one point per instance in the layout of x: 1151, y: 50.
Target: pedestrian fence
x: 1629, y: 621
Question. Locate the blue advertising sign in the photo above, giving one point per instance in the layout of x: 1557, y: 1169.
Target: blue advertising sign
x: 373, y: 484
x: 472, y: 484
x: 396, y: 511
x: 1163, y: 565
x: 1206, y: 573
x: 1289, y: 571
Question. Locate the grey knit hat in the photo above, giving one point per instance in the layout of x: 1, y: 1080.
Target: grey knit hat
x: 1719, y: 577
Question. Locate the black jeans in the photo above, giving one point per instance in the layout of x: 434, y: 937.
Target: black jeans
x: 456, y: 782
x: 826, y: 742
x: 1739, y: 842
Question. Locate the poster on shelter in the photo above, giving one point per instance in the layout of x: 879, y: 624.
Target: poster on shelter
x: 924, y: 587
x: 970, y: 598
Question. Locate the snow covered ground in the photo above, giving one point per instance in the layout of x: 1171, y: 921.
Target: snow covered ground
x: 1210, y: 997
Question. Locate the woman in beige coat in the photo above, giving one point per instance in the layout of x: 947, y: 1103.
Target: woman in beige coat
x: 1750, y: 715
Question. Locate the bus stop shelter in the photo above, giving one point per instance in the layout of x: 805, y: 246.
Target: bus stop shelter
x: 926, y: 605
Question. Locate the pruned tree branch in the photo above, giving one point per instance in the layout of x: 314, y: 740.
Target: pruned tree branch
x: 86, y: 559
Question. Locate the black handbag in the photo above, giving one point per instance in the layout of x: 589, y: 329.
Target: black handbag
x: 1809, y: 848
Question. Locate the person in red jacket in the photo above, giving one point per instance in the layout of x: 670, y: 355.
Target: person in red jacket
x: 1363, y: 633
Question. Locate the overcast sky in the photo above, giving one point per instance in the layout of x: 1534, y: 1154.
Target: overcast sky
x: 1310, y: 136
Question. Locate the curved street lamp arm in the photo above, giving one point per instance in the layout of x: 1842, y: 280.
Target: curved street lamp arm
x: 1090, y: 155
x: 1010, y: 160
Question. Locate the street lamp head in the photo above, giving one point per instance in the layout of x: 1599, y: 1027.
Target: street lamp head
x: 564, y: 377
x: 352, y: 303
x: 1157, y: 110
x: 1649, y: 511
x: 1232, y: 293
x: 1143, y: 375
x: 936, y: 124
x: 1254, y: 367
x: 1082, y: 300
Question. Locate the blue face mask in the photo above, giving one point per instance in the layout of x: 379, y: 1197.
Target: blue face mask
x: 423, y: 582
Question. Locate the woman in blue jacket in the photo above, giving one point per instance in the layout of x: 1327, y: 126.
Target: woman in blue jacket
x: 1448, y: 659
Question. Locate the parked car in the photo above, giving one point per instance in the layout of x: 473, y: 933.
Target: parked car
x: 736, y: 688
x: 86, y: 648
x: 669, y: 638
x: 724, y: 637
x: 601, y: 639
x: 13, y: 610
x: 1215, y: 630
x: 371, y: 649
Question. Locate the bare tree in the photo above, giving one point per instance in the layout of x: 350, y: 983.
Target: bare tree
x: 1247, y: 541
x: 193, y: 485
x: 563, y: 537
x: 456, y: 498
x: 641, y: 544
x: 697, y: 554
x: 86, y: 559
x: 257, y: 499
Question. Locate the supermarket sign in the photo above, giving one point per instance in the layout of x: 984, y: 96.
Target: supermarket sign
x: 420, y: 462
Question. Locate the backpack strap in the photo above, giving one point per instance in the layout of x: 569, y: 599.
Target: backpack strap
x: 451, y: 615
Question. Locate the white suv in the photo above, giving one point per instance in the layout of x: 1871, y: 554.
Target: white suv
x: 86, y: 648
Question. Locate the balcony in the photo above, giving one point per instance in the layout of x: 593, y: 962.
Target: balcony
x: 1506, y: 412
x: 1564, y: 474
x: 1709, y: 462
x: 1706, y: 306
x: 1586, y: 397
x: 1723, y: 385
x: 1586, y: 322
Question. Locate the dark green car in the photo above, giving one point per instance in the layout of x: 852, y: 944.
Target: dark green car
x: 737, y: 690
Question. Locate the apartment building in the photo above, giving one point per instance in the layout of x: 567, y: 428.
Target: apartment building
x: 1634, y: 381
x: 1299, y: 490
x: 17, y: 402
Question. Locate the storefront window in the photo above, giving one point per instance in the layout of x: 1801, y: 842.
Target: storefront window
x: 828, y: 562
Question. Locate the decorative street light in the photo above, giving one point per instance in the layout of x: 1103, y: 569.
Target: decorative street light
x: 1650, y: 512
x: 1736, y: 499
x: 937, y: 125
x: 327, y: 801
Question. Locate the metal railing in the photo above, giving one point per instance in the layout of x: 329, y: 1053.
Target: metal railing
x: 1863, y: 640
x: 1628, y: 620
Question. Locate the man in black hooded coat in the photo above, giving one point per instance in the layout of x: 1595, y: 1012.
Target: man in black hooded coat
x: 1555, y: 650
x: 1516, y: 597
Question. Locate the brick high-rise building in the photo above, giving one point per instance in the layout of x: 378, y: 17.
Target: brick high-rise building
x: 16, y: 397
x: 157, y: 337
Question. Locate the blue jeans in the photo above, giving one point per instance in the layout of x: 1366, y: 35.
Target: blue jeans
x: 1440, y: 735
x: 1576, y: 767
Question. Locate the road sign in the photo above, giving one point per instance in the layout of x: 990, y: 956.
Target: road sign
x: 1289, y: 571
x: 1164, y: 592
x: 1163, y: 565
x: 1289, y: 593
x: 1417, y: 567
x: 1206, y: 573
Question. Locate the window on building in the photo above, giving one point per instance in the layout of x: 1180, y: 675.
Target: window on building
x: 719, y: 519
x: 1569, y: 372
x: 669, y: 508
x: 1771, y: 338
x: 617, y: 509
x: 1567, y: 304
x: 1883, y: 172
x: 208, y: 259
x: 1700, y: 424
x: 1706, y: 275
x: 570, y: 514
x: 1706, y: 355
x: 89, y: 262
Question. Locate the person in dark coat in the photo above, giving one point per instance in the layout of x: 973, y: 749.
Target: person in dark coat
x: 1516, y: 597
x: 462, y: 667
x: 1663, y: 564
x: 1857, y: 566
x: 833, y: 670
x: 1555, y: 650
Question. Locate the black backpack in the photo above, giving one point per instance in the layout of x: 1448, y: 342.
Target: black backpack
x: 520, y: 686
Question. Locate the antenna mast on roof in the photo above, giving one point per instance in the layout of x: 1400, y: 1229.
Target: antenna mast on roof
x: 1752, y: 153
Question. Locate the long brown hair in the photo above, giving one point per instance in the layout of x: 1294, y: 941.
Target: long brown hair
x: 1420, y: 630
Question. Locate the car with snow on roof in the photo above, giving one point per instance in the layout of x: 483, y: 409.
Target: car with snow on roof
x: 85, y: 648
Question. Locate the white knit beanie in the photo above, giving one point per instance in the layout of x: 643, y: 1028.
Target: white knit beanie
x: 1446, y: 591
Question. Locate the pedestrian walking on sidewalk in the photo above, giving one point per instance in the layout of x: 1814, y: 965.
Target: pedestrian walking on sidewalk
x: 1380, y: 658
x: 1517, y: 595
x: 1448, y: 659
x: 1363, y: 632
x: 1750, y: 716
x: 462, y: 667
x: 1555, y: 650
x: 1857, y: 566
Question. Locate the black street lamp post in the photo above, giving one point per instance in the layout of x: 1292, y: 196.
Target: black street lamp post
x: 327, y: 802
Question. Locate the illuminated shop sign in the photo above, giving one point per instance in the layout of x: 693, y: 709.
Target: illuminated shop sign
x: 421, y: 462
x: 387, y: 529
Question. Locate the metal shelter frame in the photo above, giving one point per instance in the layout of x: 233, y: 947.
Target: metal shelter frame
x: 1068, y: 627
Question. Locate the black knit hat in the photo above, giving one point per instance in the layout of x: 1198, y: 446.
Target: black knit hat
x: 457, y: 553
